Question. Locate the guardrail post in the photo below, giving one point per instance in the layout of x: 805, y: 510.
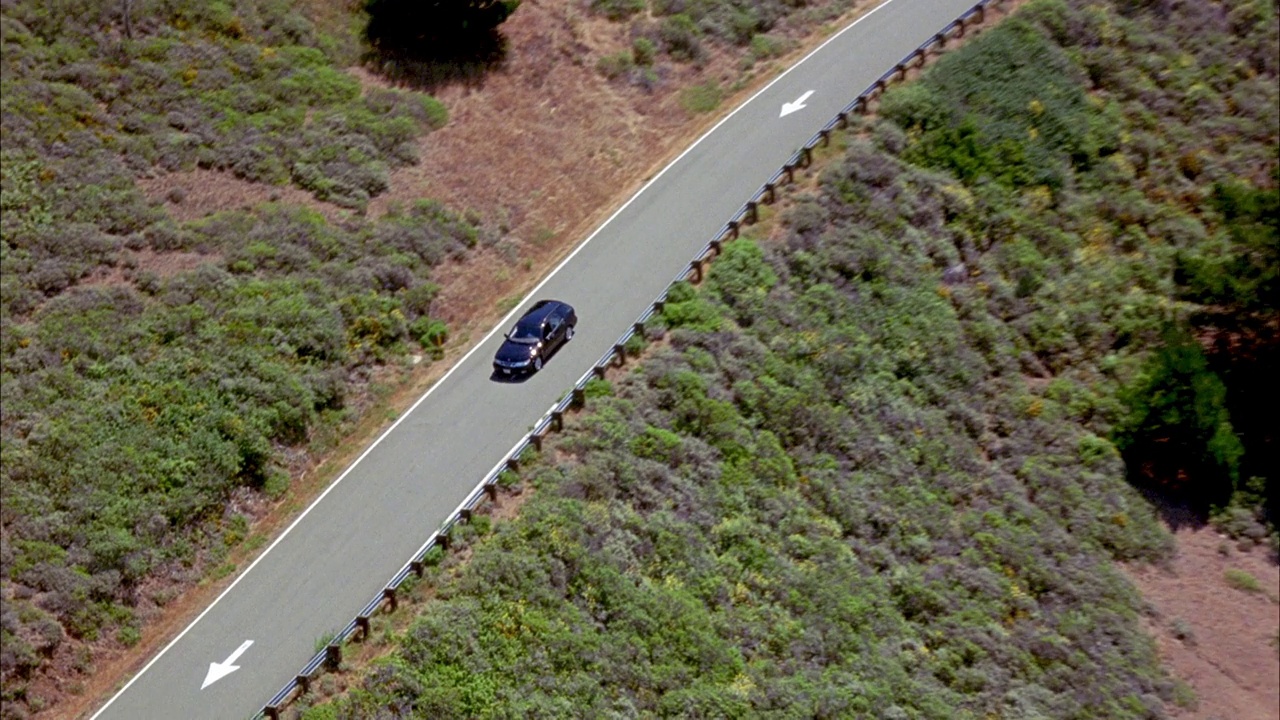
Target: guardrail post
x: 940, y: 39
x: 879, y: 86
x: 806, y: 157
x: 362, y: 623
x: 769, y: 195
x: 715, y: 250
x: 621, y: 352
x: 981, y: 14
x: 843, y: 120
x: 536, y: 439
x: 826, y: 137
x: 272, y: 712
x: 960, y: 28
x: 465, y: 515
x: 513, y: 465
x: 332, y: 656
x: 752, y: 214
x: 901, y: 69
x: 579, y: 397
x: 733, y: 229
x: 443, y: 541
x: 557, y: 421
x: 418, y: 567
x: 695, y: 268
x: 598, y: 371
x: 491, y: 490
x: 920, y: 55
x: 388, y: 594
x: 304, y: 682
x: 860, y: 105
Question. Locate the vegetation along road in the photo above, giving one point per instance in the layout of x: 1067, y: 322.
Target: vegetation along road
x: 977, y: 421
x: 315, y: 577
x: 891, y: 458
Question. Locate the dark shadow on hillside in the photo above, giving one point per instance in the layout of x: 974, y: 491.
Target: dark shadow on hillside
x: 1176, y: 512
x: 1177, y: 486
x: 428, y: 72
x: 421, y: 46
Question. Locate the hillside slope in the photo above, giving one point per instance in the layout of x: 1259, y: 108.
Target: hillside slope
x: 872, y: 468
x: 220, y: 273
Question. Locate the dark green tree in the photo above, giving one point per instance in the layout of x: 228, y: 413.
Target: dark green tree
x: 1244, y: 278
x: 1178, y: 433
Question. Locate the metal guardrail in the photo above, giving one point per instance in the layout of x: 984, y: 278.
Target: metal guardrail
x: 331, y: 655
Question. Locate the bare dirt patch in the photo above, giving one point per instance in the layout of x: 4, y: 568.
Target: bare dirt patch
x: 545, y: 149
x: 193, y: 194
x: 1212, y: 634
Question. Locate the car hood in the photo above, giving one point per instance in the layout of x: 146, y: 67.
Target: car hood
x: 516, y: 352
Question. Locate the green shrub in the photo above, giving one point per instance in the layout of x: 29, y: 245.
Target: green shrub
x: 764, y: 47
x: 430, y: 334
x: 437, y: 115
x: 128, y: 636
x: 320, y: 712
x: 686, y: 308
x: 614, y: 66
x: 679, y: 37
x: 643, y: 51
x: 1241, y: 580
x: 598, y: 388
x: 617, y: 9
x: 702, y: 98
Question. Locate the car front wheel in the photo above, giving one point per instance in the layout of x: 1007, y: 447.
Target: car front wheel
x: 568, y: 335
x: 537, y: 364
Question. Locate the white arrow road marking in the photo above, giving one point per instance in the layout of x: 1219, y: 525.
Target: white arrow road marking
x: 788, y: 108
x: 217, y: 671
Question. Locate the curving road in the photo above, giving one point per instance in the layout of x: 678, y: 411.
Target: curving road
x: 316, y: 576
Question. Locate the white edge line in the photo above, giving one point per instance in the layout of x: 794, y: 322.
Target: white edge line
x: 501, y: 324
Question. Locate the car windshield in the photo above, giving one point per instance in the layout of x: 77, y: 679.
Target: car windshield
x: 525, y: 333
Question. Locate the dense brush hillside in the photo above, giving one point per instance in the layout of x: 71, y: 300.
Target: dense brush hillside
x: 155, y: 369
x: 883, y: 462
x: 169, y: 371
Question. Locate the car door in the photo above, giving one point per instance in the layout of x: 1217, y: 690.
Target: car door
x: 555, y: 331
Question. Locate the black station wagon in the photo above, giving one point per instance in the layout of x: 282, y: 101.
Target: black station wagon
x: 539, y: 333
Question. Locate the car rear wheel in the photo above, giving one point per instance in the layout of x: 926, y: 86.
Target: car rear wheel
x: 568, y: 335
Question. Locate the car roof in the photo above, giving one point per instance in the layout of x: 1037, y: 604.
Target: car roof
x: 541, y: 310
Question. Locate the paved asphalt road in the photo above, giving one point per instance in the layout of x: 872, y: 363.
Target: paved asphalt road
x: 323, y: 570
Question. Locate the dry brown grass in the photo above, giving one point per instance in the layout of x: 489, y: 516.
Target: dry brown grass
x: 1217, y: 638
x: 197, y: 193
